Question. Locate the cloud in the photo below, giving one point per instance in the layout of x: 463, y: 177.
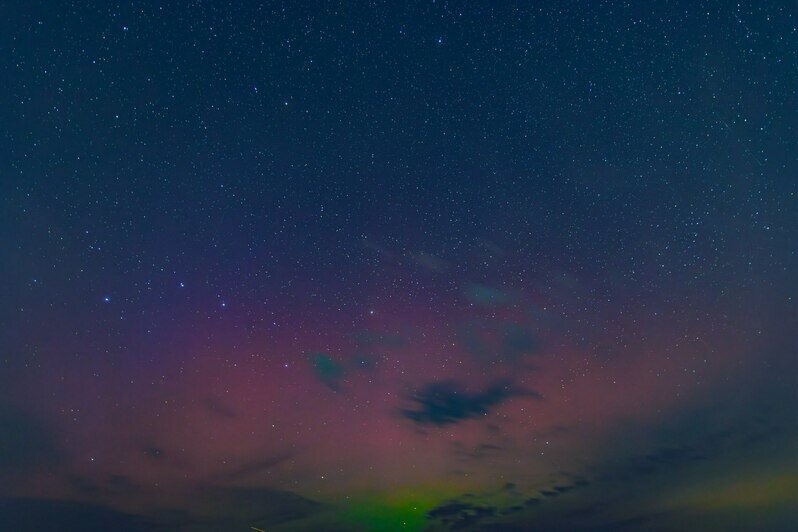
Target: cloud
x: 518, y: 341
x: 471, y: 337
x: 506, y: 343
x: 253, y: 468
x: 239, y: 508
x: 213, y: 508
x: 25, y: 444
x: 445, y: 402
x: 460, y: 515
x: 487, y: 296
x: 334, y: 372
x: 33, y: 515
x: 328, y: 370
x: 118, y: 485
x: 215, y: 405
x: 478, y: 452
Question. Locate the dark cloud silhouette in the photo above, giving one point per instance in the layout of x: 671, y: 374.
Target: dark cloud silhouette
x: 507, y: 343
x: 110, y: 485
x: 478, y: 452
x: 25, y: 444
x: 254, y: 468
x: 121, y: 484
x: 239, y: 508
x: 84, y: 486
x: 214, y: 508
x: 332, y: 372
x: 217, y: 406
x: 518, y: 341
x: 445, y: 402
x: 35, y: 515
x: 456, y: 515
x: 487, y: 296
x: 660, y: 460
x: 328, y: 370
x: 448, y: 509
x: 471, y: 338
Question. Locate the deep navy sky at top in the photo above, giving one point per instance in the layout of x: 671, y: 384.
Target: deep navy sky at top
x: 318, y: 124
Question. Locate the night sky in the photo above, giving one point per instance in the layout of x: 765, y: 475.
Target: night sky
x: 439, y: 265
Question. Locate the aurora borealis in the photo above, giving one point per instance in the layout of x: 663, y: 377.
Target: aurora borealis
x: 398, y: 266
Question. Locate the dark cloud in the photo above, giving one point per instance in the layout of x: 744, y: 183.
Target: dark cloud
x: 35, y: 515
x: 471, y: 337
x: 213, y: 509
x: 675, y: 455
x: 507, y: 343
x: 333, y: 372
x: 445, y: 402
x: 84, y: 486
x: 478, y: 452
x: 518, y: 341
x: 254, y: 468
x: 217, y: 406
x: 456, y: 515
x: 633, y: 472
x: 328, y: 370
x: 663, y: 459
x: 121, y: 484
x: 25, y: 443
x: 239, y: 508
x: 449, y: 509
x: 487, y: 296
x: 117, y: 485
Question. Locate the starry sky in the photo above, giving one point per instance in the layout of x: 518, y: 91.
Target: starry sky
x: 429, y: 265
